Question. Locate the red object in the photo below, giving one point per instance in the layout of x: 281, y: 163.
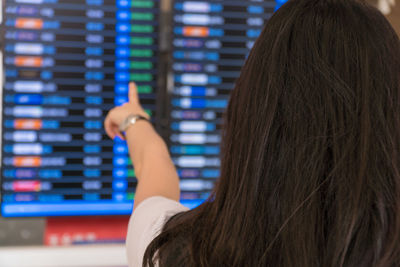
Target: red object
x: 26, y: 186
x: 83, y: 230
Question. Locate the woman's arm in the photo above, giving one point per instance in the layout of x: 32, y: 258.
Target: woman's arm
x: 154, y: 168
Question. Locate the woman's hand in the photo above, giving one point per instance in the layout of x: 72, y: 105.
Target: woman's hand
x: 154, y: 168
x: 118, y: 114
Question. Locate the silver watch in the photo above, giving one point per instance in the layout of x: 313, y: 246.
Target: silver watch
x: 130, y: 120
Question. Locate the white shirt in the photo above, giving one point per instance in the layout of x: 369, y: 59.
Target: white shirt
x: 146, y: 223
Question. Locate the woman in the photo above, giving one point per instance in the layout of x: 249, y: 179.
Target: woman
x: 310, y: 170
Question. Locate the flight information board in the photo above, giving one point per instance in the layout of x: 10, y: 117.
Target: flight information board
x: 66, y: 63
x: 211, y: 42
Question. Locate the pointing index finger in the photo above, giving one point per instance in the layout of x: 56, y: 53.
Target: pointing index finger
x: 133, y: 94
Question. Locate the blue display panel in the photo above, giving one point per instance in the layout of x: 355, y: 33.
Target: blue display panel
x: 66, y: 64
x: 210, y: 44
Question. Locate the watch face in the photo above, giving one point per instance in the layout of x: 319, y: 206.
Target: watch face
x: 130, y: 120
x: 125, y: 124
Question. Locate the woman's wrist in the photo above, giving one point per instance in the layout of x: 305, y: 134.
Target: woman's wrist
x: 143, y: 142
x: 131, y: 120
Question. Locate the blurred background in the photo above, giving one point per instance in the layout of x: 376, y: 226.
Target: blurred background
x: 394, y: 17
x: 66, y: 190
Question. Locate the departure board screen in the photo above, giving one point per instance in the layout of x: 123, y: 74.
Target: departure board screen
x: 66, y: 63
x: 211, y: 42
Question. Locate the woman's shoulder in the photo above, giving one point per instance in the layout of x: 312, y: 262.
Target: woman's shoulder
x: 146, y: 223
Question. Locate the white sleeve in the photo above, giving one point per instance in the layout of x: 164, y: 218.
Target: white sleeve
x: 146, y: 223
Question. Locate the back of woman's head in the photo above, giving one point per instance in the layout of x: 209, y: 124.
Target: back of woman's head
x: 311, y: 164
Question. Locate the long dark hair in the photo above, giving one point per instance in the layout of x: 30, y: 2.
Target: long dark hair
x: 311, y: 150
